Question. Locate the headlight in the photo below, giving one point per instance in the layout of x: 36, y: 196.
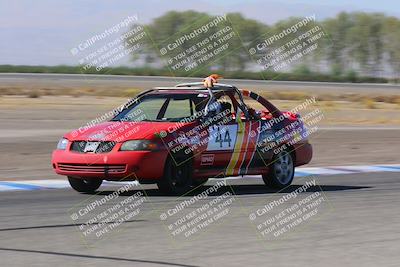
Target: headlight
x: 62, y: 144
x: 138, y: 145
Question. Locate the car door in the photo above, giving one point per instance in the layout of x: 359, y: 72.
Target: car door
x: 227, y: 153
x: 220, y: 140
x: 245, y: 145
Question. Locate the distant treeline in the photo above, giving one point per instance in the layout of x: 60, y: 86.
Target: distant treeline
x: 357, y: 47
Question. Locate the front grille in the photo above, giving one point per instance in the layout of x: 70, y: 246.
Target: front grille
x: 94, y: 168
x: 104, y: 146
x: 78, y: 146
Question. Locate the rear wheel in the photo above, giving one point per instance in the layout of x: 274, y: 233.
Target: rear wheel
x: 282, y: 171
x: 84, y: 185
x: 177, y: 178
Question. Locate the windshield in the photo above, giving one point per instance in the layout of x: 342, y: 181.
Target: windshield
x: 168, y: 107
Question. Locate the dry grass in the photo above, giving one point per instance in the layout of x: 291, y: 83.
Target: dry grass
x: 369, y: 103
x: 131, y: 92
x: 285, y: 95
x: 328, y: 100
x: 75, y: 91
x: 331, y: 105
x: 34, y: 94
x: 343, y: 113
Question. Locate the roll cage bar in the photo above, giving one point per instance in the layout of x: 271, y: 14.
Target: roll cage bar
x: 217, y: 87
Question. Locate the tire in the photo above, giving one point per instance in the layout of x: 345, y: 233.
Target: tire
x: 199, y: 182
x: 177, y: 178
x: 282, y: 171
x: 84, y: 185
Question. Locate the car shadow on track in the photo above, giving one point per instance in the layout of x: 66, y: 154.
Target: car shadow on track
x: 243, y: 190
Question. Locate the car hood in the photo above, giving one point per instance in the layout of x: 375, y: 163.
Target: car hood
x: 122, y: 131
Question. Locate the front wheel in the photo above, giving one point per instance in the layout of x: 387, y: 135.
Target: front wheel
x: 281, y: 172
x: 84, y: 185
x: 177, y: 178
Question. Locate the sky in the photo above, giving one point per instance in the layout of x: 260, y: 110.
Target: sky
x: 43, y: 32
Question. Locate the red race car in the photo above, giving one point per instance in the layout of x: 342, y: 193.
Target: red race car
x: 178, y: 137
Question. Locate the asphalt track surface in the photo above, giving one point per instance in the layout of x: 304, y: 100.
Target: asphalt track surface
x: 356, y: 226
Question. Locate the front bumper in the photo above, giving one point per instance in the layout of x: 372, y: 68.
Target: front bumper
x: 116, y: 165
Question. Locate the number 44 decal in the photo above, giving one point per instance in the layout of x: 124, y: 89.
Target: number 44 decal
x: 222, y: 137
x: 220, y: 140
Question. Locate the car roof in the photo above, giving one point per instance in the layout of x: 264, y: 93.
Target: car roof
x: 191, y: 88
x: 173, y: 91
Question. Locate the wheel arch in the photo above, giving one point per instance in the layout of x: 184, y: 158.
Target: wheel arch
x: 292, y: 151
x: 181, y: 153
